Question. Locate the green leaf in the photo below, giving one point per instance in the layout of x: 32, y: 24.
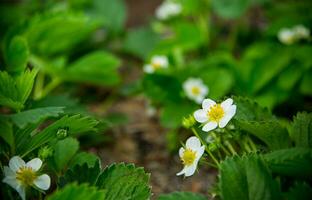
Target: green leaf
x: 7, y: 132
x: 16, y: 55
x: 124, y: 181
x: 81, y: 174
x: 301, y: 130
x: 36, y: 115
x: 270, y: 132
x: 84, y: 158
x: 230, y: 9
x: 78, y: 192
x: 140, y: 41
x: 75, y: 124
x: 247, y: 178
x: 296, y: 162
x: 64, y: 151
x: 15, y: 91
x: 249, y: 110
x: 112, y: 14
x: 97, y: 68
x: 305, y: 86
x: 57, y: 32
x: 182, y: 196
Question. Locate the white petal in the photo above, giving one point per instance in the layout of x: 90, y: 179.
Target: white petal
x: 148, y: 69
x: 181, y: 172
x: 227, y: 103
x: 190, y: 170
x: 11, y: 181
x: 43, y: 182
x: 199, y: 99
x: 35, y: 164
x: 181, y: 151
x: 16, y: 162
x: 21, y: 191
x: 193, y: 143
x: 228, y: 116
x: 199, y: 152
x: 207, y: 103
x: 210, y: 126
x: 8, y: 172
x: 200, y: 116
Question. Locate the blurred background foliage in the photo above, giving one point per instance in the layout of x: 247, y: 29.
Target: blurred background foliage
x: 232, y: 45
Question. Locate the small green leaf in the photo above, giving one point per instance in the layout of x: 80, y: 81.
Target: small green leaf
x: 16, y: 55
x: 81, y: 174
x: 14, y: 91
x: 124, y: 181
x: 64, y: 151
x: 301, y: 191
x: 36, y: 115
x: 84, y: 157
x: 301, y: 130
x: 181, y: 196
x: 78, y: 192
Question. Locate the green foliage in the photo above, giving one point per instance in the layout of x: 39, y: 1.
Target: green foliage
x: 301, y: 130
x: 140, y: 41
x: 181, y: 196
x: 36, y: 115
x: 124, y: 181
x: 16, y: 55
x: 230, y: 9
x: 84, y: 158
x: 272, y: 133
x: 7, y: 132
x: 299, y: 191
x: 96, y: 68
x: 64, y: 151
x: 81, y: 174
x: 79, y: 192
x: 296, y: 162
x: 73, y: 125
x: 247, y: 178
x: 14, y: 91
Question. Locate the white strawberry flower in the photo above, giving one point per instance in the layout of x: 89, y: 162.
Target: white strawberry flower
x: 213, y: 115
x: 19, y: 175
x: 168, y: 9
x: 195, y: 89
x: 157, y: 62
x: 301, y: 31
x: 190, y: 156
x: 287, y: 36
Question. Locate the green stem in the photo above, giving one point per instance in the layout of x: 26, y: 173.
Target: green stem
x: 39, y: 85
x: 230, y: 147
x: 178, y: 57
x: 206, y: 147
x: 252, y: 144
x: 52, y: 85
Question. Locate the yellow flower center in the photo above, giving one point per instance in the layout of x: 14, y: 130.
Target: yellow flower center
x: 216, y: 113
x: 196, y: 90
x: 26, y: 175
x: 188, y: 157
x: 156, y: 65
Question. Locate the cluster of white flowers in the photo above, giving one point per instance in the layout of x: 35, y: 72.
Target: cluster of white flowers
x: 212, y: 115
x: 195, y: 89
x: 168, y: 9
x: 291, y: 35
x: 20, y: 175
x: 157, y: 62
